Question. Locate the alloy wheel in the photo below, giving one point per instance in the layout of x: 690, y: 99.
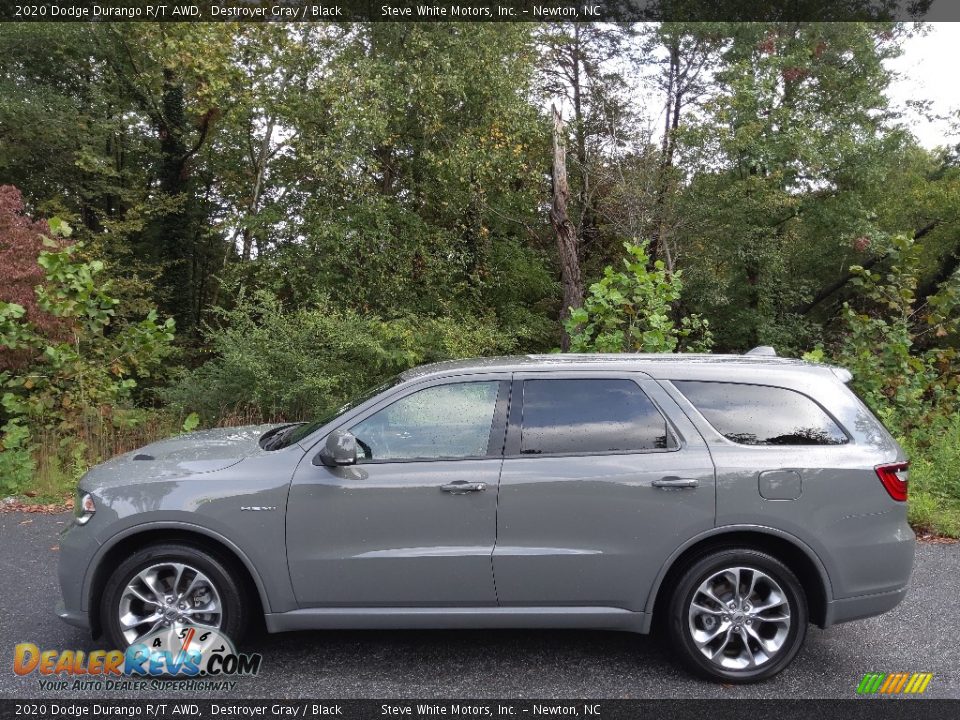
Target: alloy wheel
x: 739, y: 618
x: 165, y: 595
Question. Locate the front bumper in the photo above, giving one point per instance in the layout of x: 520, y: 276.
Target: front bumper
x: 78, y: 545
x: 77, y: 618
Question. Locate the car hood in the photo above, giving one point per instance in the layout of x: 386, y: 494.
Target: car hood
x: 189, y: 454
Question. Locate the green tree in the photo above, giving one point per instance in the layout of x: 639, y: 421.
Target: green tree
x: 788, y: 161
x: 411, y: 187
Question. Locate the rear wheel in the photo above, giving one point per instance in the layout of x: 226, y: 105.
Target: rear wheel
x: 738, y: 615
x: 171, y: 586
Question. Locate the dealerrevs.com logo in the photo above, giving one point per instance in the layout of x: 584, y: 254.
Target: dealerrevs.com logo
x: 205, y: 658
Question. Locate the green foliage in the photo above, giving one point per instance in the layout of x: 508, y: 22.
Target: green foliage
x: 337, y: 202
x: 16, y: 460
x: 935, y: 477
x: 791, y: 166
x: 886, y: 342
x: 88, y: 367
x: 190, y: 423
x: 631, y: 311
x: 911, y: 383
x: 296, y: 364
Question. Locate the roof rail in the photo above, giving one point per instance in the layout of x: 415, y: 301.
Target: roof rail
x: 762, y: 351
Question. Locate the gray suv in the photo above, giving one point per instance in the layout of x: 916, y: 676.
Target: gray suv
x: 729, y: 500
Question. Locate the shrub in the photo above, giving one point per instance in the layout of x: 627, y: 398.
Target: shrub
x: 885, y: 340
x: 632, y: 311
x: 272, y: 363
x: 935, y: 478
x: 82, y: 374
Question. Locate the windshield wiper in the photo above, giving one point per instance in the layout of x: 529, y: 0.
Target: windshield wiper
x: 275, y: 439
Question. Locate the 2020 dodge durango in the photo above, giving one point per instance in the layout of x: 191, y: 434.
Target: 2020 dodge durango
x: 732, y: 500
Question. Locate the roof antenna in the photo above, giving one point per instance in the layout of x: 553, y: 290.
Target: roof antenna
x: 762, y: 351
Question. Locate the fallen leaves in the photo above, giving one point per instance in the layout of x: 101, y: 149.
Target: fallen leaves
x: 932, y: 539
x: 18, y: 505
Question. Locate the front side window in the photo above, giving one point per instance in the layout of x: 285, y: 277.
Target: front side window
x: 762, y: 415
x: 444, y: 421
x: 586, y: 416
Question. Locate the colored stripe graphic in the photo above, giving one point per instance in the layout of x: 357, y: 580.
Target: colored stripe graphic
x: 914, y: 683
x: 868, y: 682
x: 894, y: 683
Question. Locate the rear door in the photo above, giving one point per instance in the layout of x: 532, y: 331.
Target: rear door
x: 602, y: 479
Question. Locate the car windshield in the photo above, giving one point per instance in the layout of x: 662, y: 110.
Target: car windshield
x: 295, y: 433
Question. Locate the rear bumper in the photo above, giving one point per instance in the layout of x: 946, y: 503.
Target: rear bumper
x: 862, y: 606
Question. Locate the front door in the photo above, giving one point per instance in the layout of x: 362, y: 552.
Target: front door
x: 603, y: 478
x: 413, y: 523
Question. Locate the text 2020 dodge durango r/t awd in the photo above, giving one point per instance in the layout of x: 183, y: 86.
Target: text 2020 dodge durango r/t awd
x: 732, y: 499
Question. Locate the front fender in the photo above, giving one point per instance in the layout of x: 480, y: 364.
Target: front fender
x: 273, y: 601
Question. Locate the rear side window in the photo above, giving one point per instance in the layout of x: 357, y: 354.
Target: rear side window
x: 590, y: 416
x: 761, y: 415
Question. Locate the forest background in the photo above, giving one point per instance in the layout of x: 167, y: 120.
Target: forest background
x: 218, y: 224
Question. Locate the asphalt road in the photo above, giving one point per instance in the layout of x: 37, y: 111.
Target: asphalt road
x: 922, y: 635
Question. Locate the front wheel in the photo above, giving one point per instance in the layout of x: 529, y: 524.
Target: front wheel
x: 171, y: 587
x: 738, y: 615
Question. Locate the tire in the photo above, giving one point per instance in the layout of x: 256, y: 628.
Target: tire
x: 217, y: 585
x: 742, y: 651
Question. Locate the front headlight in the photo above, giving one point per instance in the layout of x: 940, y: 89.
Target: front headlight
x: 84, y: 508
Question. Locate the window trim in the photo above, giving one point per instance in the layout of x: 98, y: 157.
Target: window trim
x: 497, y: 424
x: 515, y: 424
x: 723, y: 438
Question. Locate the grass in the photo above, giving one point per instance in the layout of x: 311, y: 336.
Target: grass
x: 935, y: 481
x: 59, y: 464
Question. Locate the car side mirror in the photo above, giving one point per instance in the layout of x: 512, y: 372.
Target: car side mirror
x: 340, y: 449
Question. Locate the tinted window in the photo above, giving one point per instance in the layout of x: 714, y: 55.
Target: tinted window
x: 444, y: 421
x: 760, y: 415
x: 589, y: 416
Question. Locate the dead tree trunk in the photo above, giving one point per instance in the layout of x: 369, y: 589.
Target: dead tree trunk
x: 563, y: 229
x: 660, y: 243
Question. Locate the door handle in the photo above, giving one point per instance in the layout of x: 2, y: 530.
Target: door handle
x: 675, y: 482
x: 462, y: 487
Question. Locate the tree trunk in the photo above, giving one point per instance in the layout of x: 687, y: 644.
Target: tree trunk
x: 565, y: 233
x: 253, y: 206
x: 659, y: 244
x: 173, y: 229
x: 588, y: 223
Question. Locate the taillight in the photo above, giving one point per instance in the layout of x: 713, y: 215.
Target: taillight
x: 894, y: 479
